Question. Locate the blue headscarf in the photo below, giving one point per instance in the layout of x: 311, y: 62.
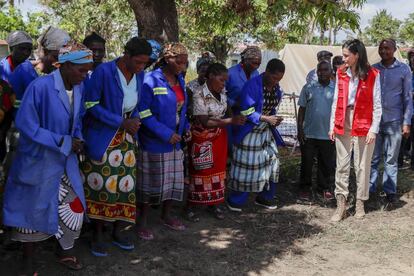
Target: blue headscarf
x: 156, y: 49
x: 75, y: 53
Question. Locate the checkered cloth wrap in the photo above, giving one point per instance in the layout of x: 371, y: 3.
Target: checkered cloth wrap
x: 160, y: 176
x: 255, y: 161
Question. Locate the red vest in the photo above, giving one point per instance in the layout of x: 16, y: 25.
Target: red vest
x: 363, y: 107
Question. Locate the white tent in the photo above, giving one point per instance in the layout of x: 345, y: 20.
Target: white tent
x: 300, y: 59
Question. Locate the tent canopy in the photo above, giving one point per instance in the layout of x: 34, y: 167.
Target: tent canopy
x: 300, y: 59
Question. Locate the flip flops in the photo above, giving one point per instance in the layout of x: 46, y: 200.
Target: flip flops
x: 124, y: 244
x: 174, y: 224
x: 70, y: 262
x: 99, y: 249
x: 145, y: 234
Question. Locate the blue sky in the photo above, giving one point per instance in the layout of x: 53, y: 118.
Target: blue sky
x: 398, y: 8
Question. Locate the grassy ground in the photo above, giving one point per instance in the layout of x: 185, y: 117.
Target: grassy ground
x: 292, y: 240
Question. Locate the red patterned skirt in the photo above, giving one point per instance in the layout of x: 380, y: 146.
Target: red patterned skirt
x: 208, y: 157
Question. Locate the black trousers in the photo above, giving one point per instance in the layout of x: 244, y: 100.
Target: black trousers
x: 324, y: 152
x: 406, y: 145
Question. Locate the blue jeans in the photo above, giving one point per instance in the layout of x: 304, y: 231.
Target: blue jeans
x: 387, y: 145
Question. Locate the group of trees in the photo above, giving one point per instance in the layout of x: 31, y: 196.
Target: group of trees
x: 11, y: 19
x: 214, y: 25
x: 384, y: 25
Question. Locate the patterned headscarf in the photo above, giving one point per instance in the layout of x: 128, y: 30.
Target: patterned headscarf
x: 173, y: 49
x: 75, y: 53
x: 206, y: 58
x: 53, y: 39
x: 17, y: 38
x: 251, y: 52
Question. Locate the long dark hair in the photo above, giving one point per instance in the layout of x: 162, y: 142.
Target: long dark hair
x: 356, y: 46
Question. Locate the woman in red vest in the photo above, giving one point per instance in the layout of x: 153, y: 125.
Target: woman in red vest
x: 355, y: 117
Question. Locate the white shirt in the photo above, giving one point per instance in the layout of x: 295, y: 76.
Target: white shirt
x: 353, y: 86
x: 130, y: 92
x: 70, y: 96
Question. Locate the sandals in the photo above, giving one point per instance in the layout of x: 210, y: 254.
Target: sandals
x: 191, y: 216
x: 145, y: 234
x: 70, y: 262
x: 174, y: 224
x: 99, y: 249
x: 216, y: 212
x: 124, y: 244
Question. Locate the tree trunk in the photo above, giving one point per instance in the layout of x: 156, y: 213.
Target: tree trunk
x: 309, y: 35
x: 330, y: 36
x: 322, y: 36
x: 220, y: 48
x: 335, y: 33
x: 156, y: 19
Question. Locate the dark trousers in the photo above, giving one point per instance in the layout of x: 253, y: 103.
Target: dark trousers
x: 324, y: 151
x: 406, y: 145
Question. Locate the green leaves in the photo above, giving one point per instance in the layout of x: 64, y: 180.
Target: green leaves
x: 272, y: 22
x: 407, y: 30
x: 113, y: 19
x: 382, y: 25
x: 11, y: 20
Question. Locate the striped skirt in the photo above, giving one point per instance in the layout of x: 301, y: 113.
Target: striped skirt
x: 70, y: 219
x: 255, y: 161
x: 160, y: 176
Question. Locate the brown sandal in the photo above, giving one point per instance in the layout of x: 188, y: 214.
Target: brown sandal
x: 70, y: 262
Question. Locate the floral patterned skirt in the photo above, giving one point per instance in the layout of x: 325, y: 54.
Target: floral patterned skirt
x: 110, y: 183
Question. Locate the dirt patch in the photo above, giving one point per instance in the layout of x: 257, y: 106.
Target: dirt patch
x: 293, y: 240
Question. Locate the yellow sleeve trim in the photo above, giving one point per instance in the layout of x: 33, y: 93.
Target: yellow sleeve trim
x: 248, y: 111
x: 91, y: 104
x: 144, y: 114
x: 160, y: 91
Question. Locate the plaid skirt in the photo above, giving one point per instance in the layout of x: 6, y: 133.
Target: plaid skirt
x: 160, y: 176
x: 255, y: 161
x: 71, y: 214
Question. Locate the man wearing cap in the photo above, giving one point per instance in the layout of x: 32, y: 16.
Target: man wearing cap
x: 18, y: 72
x: 21, y: 46
x: 321, y: 55
x: 397, y: 107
